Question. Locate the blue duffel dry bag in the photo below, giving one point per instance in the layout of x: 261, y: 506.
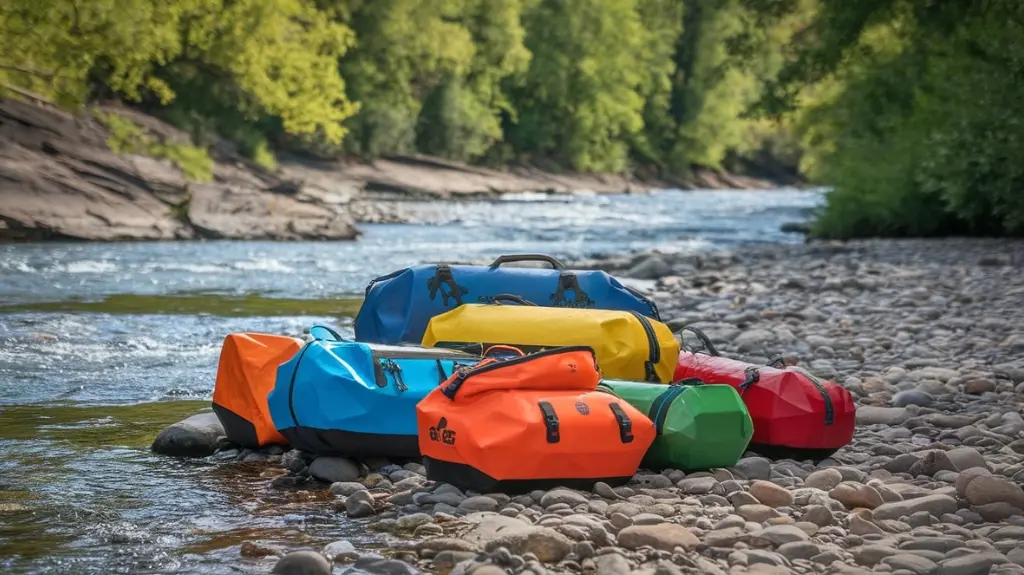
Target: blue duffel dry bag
x: 398, y: 306
x: 338, y: 397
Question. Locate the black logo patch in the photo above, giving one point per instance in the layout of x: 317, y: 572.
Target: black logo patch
x: 442, y: 279
x: 567, y: 282
x: 442, y: 433
x: 583, y: 408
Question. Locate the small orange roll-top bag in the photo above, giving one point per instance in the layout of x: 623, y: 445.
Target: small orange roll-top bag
x: 246, y: 372
x: 530, y: 422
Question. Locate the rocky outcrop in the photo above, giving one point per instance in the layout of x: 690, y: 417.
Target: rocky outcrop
x: 59, y: 180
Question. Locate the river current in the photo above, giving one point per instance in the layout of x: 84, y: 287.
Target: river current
x: 101, y: 345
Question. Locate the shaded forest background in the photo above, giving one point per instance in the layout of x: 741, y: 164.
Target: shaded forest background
x: 911, y: 109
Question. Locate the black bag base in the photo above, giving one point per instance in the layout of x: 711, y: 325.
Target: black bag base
x: 795, y: 453
x: 335, y: 442
x: 466, y: 477
x: 238, y: 429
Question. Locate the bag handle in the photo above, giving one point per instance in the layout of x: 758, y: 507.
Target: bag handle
x: 335, y: 336
x: 512, y: 298
x: 704, y: 340
x: 509, y: 258
x: 519, y: 352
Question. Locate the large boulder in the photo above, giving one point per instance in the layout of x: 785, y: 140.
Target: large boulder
x: 196, y: 436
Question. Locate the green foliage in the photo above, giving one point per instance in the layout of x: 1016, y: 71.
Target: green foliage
x: 276, y: 57
x: 128, y: 138
x: 580, y: 100
x: 912, y: 112
x: 909, y: 109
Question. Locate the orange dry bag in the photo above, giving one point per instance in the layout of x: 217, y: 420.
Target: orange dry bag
x: 530, y: 422
x: 245, y: 375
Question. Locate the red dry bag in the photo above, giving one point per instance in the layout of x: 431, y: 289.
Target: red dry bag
x: 795, y: 414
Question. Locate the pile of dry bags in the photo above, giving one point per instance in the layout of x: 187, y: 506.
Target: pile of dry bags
x: 510, y: 378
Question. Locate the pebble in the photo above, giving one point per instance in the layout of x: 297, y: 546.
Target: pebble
x: 824, y: 479
x: 771, y: 494
x: 359, y: 504
x: 665, y: 536
x: 302, y: 563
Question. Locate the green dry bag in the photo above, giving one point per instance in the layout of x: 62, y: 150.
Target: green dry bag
x: 699, y: 426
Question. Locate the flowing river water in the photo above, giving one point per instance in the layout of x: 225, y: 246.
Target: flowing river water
x: 101, y: 345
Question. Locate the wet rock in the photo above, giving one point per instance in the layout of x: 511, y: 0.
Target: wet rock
x: 359, y: 504
x: 346, y: 488
x: 413, y: 520
x: 341, y: 550
x: 257, y: 549
x: 334, y: 469
x: 665, y: 536
x: 302, y: 563
x: 377, y: 565
x: 196, y: 436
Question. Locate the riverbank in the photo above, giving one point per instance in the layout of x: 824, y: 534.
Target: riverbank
x: 62, y: 181
x: 925, y: 334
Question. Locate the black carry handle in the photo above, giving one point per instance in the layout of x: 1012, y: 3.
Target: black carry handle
x: 512, y: 298
x: 509, y: 258
x: 334, y: 334
x: 704, y: 339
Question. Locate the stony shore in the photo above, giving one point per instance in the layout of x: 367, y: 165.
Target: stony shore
x: 927, y: 335
x: 59, y: 180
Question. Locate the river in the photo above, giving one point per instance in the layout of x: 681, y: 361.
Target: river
x: 101, y: 345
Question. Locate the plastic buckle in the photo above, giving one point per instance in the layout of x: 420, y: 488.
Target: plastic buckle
x: 650, y: 373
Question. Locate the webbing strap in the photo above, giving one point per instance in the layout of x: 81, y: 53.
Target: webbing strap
x: 625, y: 424
x: 550, y: 421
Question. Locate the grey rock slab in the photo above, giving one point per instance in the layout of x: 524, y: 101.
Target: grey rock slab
x: 196, y: 436
x: 302, y: 563
x: 780, y: 534
x: 548, y: 545
x: 933, y: 504
x: 334, y: 469
x: 974, y: 564
x: 912, y: 563
x: 875, y: 415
